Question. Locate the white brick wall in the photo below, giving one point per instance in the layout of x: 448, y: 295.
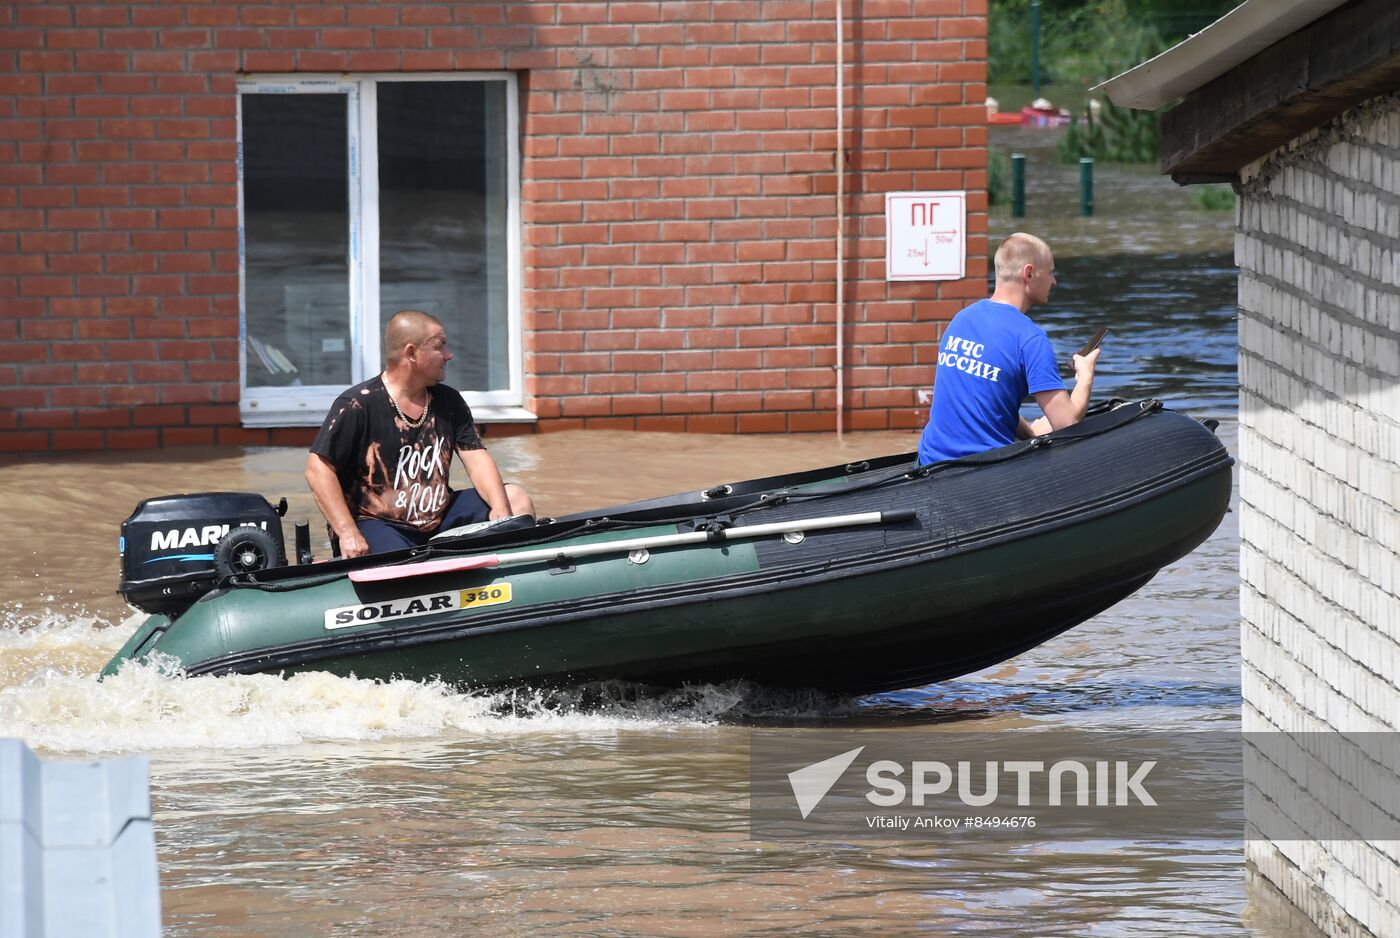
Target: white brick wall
x: 1318, y: 244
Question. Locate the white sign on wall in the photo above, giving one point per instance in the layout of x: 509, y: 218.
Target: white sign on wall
x: 925, y: 235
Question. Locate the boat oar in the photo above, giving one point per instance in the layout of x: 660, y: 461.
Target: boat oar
x: 716, y: 535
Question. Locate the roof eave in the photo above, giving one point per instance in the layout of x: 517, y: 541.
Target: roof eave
x: 1236, y: 37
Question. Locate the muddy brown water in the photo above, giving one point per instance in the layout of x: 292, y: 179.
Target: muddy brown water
x: 318, y: 805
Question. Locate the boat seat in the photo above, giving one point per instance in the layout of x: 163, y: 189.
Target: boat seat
x: 499, y: 526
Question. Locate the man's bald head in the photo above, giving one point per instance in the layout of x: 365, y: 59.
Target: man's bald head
x: 407, y: 327
x: 1019, y: 250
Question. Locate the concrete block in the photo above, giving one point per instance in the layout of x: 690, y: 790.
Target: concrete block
x: 77, y: 848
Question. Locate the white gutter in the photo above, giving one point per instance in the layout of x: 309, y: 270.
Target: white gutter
x: 1235, y: 38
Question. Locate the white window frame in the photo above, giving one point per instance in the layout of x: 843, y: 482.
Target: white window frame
x: 307, y: 406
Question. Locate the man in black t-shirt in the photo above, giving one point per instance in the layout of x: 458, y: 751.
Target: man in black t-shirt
x: 380, y: 465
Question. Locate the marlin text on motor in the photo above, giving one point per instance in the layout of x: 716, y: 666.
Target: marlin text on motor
x: 207, y: 536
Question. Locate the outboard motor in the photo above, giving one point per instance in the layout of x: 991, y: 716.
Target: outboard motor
x: 176, y: 548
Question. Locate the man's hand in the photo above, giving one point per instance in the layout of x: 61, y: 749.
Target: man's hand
x: 352, y: 544
x: 1084, y: 365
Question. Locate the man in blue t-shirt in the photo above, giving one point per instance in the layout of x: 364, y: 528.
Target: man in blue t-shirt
x: 992, y: 355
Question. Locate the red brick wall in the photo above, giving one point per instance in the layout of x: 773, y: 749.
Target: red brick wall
x: 678, y: 203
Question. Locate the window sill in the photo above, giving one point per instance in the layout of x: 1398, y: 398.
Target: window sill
x: 312, y: 417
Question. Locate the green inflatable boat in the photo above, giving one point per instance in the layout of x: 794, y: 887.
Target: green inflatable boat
x: 854, y: 579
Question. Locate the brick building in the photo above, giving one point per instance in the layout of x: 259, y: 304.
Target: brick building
x: 625, y: 212
x: 1296, y: 104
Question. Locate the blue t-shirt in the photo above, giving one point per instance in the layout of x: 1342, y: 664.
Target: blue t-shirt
x: 991, y: 357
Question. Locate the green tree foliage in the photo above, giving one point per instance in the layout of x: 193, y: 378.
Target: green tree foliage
x: 1071, y: 31
x: 1111, y: 41
x: 1086, y: 42
x: 1118, y: 135
x: 1213, y: 198
x: 1009, y: 40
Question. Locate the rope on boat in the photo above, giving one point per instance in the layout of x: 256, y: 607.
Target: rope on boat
x: 766, y: 500
x: 1067, y: 435
x: 250, y: 581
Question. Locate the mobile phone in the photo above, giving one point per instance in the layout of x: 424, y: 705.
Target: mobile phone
x: 1095, y: 341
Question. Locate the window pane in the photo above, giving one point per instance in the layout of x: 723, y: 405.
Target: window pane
x: 296, y: 230
x: 442, y: 218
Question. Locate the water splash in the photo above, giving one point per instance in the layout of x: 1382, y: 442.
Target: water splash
x: 51, y: 698
x: 49, y: 639
x: 732, y: 702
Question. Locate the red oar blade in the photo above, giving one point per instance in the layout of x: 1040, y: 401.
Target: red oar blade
x: 404, y: 571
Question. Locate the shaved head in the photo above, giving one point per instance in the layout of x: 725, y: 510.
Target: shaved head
x: 407, y: 327
x: 1019, y: 250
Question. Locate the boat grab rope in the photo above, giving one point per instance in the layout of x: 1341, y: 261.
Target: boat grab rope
x: 1124, y: 412
x: 1067, y: 435
x: 251, y: 581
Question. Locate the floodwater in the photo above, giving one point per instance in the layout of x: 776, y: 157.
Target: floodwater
x: 328, y: 806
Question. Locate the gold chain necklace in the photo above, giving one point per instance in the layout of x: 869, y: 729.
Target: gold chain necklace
x: 412, y: 424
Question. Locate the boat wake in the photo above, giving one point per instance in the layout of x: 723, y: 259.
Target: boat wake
x: 50, y: 697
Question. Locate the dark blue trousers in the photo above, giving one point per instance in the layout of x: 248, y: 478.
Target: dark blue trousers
x: 466, y: 507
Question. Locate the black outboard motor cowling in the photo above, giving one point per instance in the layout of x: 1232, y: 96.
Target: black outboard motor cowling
x: 168, y: 545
